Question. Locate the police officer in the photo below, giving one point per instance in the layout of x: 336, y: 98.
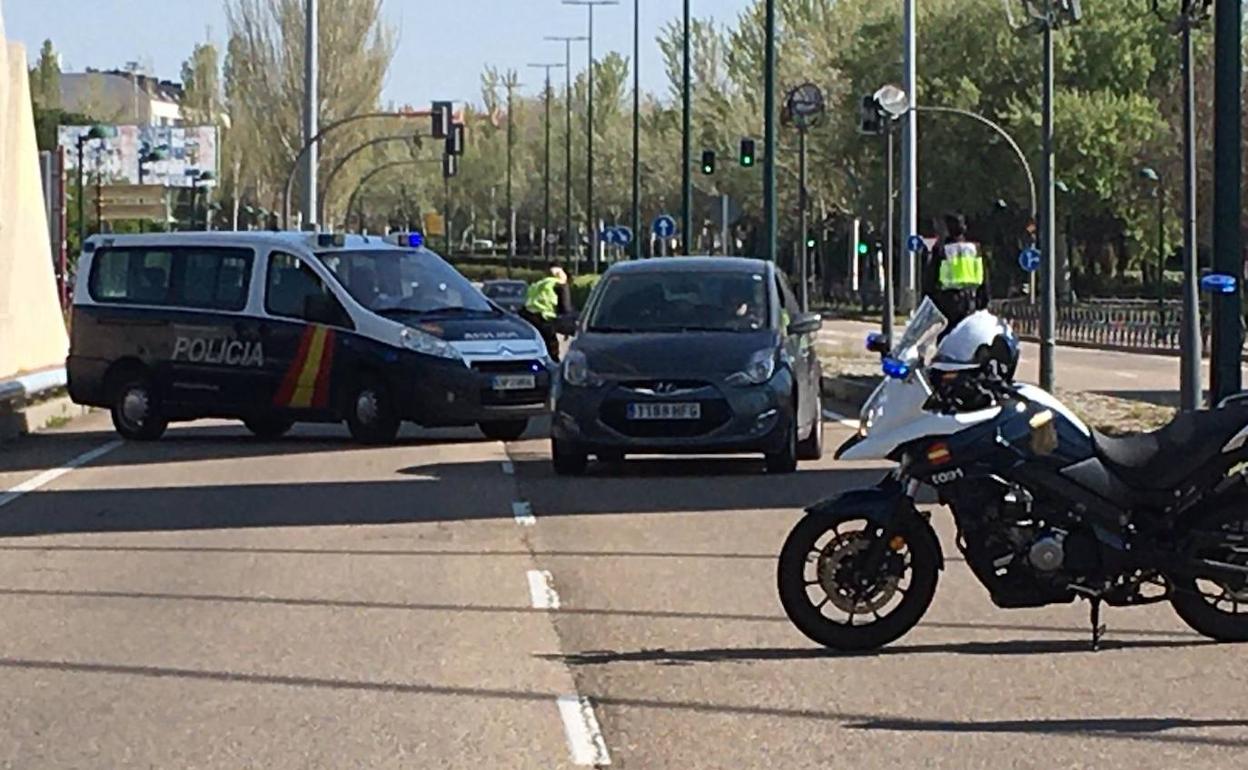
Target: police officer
x: 955, y: 276
x: 543, y: 303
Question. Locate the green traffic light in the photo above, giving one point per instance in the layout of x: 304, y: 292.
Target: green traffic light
x: 810, y: 243
x: 862, y: 248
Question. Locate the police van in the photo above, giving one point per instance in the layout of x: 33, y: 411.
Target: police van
x: 276, y: 328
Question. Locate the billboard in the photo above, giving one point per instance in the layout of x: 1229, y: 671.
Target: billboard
x: 187, y: 150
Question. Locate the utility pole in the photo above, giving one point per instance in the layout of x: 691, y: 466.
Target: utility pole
x: 909, y: 160
x: 1228, y: 333
x: 769, y: 132
x: 512, y: 82
x: 546, y: 166
x: 890, y: 299
x: 686, y: 140
x: 589, y: 123
x: 311, y: 114
x: 569, y: 235
x: 803, y: 250
x: 636, y: 219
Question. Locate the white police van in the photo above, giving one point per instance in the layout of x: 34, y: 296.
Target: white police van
x: 277, y: 328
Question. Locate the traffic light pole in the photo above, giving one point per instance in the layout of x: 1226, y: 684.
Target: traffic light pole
x: 804, y: 272
x: 636, y: 218
x: 311, y: 115
x: 889, y: 319
x: 1048, y: 230
x: 686, y: 143
x: 1190, y: 389
x: 1228, y: 333
x: 769, y: 133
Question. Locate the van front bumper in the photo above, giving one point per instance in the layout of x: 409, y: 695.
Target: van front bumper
x: 450, y: 393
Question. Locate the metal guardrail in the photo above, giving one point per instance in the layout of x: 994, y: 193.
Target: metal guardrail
x: 27, y: 386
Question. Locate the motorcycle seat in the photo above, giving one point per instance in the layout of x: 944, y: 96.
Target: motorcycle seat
x: 1163, y: 459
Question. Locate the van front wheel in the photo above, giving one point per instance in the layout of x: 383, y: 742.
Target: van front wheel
x: 136, y: 410
x: 371, y: 417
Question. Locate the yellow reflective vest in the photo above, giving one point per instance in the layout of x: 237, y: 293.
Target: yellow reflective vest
x: 962, y: 268
x: 542, y: 298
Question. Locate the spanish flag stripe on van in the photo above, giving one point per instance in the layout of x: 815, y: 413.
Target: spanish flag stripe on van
x: 291, y: 379
x: 306, y: 383
x: 305, y: 387
x: 320, y: 398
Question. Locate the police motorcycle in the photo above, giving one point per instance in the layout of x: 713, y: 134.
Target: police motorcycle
x: 1046, y: 509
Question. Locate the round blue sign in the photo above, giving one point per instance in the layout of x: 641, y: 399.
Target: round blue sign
x: 1219, y: 283
x: 916, y: 243
x: 610, y: 236
x: 664, y: 226
x: 1029, y: 260
x: 624, y: 235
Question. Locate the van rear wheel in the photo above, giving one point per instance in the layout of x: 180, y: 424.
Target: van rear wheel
x: 371, y: 416
x: 136, y: 410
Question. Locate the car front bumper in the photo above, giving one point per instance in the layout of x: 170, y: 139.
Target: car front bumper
x: 734, y: 419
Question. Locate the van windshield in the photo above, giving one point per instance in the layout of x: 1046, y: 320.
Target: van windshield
x: 412, y: 281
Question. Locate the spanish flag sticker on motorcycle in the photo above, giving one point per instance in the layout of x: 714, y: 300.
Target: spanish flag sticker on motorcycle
x: 938, y: 454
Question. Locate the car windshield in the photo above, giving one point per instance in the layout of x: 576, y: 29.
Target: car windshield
x: 413, y: 281
x: 505, y: 290
x: 673, y: 301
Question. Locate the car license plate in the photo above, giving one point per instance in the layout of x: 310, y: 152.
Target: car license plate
x: 664, y: 411
x: 515, y: 382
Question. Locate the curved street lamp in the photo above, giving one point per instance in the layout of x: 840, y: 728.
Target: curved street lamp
x: 415, y: 139
x: 369, y: 177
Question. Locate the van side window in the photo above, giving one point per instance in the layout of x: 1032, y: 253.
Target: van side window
x: 200, y: 278
x: 291, y: 284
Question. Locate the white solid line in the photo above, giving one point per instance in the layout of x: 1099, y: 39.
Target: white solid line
x: 48, y: 476
x: 508, y: 468
x: 522, y: 510
x: 541, y: 591
x: 842, y: 419
x: 584, y: 735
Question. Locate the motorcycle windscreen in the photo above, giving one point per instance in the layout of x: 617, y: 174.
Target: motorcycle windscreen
x: 925, y: 326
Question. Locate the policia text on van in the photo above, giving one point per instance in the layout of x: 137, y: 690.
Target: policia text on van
x: 276, y: 328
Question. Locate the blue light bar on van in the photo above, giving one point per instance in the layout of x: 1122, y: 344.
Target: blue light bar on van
x: 898, y: 370
x: 1219, y: 283
x: 331, y: 240
x: 415, y: 240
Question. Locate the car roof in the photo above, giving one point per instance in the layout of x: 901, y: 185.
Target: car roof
x: 690, y: 264
x: 270, y: 238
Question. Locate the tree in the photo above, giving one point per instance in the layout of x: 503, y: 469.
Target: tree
x: 45, y: 79
x: 201, y: 81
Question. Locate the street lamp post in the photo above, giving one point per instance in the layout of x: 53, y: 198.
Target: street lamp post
x: 567, y: 180
x: 1228, y: 332
x: 345, y: 159
x: 636, y: 219
x: 686, y: 140
x: 546, y: 165
x: 1158, y: 191
x: 589, y: 122
x: 512, y: 83
x: 311, y: 112
x: 769, y: 131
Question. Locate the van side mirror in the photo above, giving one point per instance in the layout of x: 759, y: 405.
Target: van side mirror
x: 322, y: 309
x: 566, y: 324
x: 806, y: 323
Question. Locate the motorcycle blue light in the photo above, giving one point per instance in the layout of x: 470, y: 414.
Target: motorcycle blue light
x: 898, y: 370
x: 872, y: 339
x: 1219, y: 283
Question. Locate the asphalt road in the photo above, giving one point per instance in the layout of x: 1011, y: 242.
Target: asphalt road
x: 212, y: 601
x: 1114, y: 373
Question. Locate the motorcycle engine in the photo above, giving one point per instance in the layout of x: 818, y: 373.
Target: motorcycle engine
x: 1025, y: 552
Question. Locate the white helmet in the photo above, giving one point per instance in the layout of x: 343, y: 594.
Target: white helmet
x: 980, y: 342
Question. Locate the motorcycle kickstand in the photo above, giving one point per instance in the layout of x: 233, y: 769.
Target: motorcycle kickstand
x: 1098, y: 628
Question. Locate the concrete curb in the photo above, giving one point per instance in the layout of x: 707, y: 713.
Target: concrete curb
x: 848, y: 390
x: 18, y: 418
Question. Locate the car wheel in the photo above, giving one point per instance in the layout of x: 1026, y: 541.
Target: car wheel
x: 504, y: 430
x: 811, y: 447
x: 568, y: 459
x: 268, y: 427
x: 136, y: 410
x: 785, y: 460
x: 370, y: 413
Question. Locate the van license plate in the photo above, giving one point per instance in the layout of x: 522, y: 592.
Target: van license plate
x: 514, y: 382
x: 664, y: 411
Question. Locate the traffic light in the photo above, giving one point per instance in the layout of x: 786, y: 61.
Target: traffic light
x: 441, y: 118
x: 871, y: 118
x: 863, y: 248
x: 811, y: 242
x: 747, y: 152
x: 455, y: 139
x: 450, y: 166
x: 708, y: 161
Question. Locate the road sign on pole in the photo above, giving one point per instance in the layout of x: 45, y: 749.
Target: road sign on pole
x: 915, y: 243
x: 1029, y: 260
x: 624, y: 235
x: 664, y: 226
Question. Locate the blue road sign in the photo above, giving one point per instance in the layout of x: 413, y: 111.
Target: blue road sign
x: 664, y: 226
x: 915, y: 243
x: 624, y: 235
x: 610, y: 236
x: 1029, y: 260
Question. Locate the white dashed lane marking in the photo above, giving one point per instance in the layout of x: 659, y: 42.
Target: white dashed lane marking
x: 585, y: 739
x: 541, y: 591
x: 509, y: 468
x: 522, y: 510
x: 842, y: 419
x: 48, y: 476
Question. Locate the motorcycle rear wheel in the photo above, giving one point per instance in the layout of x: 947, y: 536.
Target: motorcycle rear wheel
x: 1217, y: 608
x: 819, y: 560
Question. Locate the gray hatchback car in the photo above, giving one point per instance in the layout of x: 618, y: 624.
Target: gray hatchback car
x: 694, y: 355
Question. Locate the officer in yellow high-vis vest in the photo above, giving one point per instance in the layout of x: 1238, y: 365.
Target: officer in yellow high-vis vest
x: 955, y: 276
x: 543, y: 302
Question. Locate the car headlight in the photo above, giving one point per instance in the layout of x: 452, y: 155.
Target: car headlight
x: 576, y: 371
x: 427, y: 344
x: 761, y: 367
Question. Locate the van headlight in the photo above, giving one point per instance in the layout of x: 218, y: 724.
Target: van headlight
x: 576, y: 371
x: 427, y: 344
x: 760, y: 369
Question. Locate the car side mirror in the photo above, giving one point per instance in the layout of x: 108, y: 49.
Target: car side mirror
x: 566, y: 324
x: 806, y: 323
x: 322, y: 309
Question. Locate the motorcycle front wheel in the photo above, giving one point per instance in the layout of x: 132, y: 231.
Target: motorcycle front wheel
x: 829, y: 596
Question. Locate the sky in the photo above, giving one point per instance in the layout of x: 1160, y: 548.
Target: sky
x: 443, y: 44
